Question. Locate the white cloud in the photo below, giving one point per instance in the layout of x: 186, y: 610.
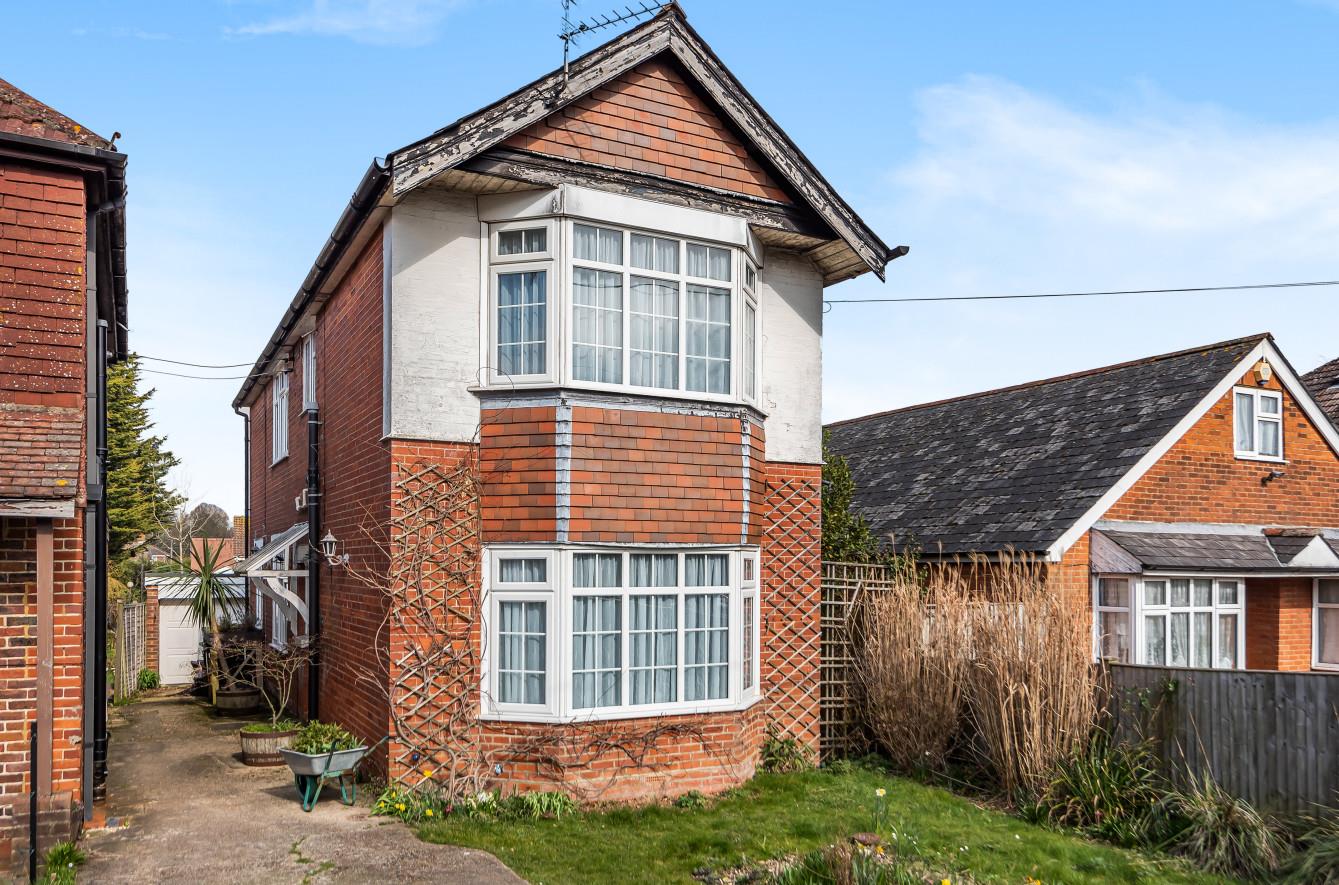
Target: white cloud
x: 1010, y: 191
x: 380, y: 22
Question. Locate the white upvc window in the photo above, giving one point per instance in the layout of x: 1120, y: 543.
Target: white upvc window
x: 279, y: 418
x: 309, y: 372
x: 597, y: 633
x: 1325, y: 625
x: 1171, y: 621
x: 1257, y: 423
x: 278, y: 625
x: 521, y: 326
x: 748, y: 357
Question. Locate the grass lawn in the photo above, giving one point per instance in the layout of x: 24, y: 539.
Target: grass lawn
x: 780, y: 814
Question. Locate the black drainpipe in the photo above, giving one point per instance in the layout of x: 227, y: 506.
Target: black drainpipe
x: 246, y: 498
x: 100, y: 735
x: 314, y: 557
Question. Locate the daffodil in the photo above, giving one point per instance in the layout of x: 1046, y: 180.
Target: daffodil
x: 428, y: 812
x: 399, y: 807
x: 880, y: 792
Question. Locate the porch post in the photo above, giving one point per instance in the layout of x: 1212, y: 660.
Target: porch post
x: 46, y: 651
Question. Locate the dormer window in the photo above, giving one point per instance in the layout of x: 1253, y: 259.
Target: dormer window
x: 1258, y: 424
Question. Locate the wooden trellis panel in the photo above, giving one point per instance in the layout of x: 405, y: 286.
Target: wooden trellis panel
x: 843, y: 582
x: 130, y: 642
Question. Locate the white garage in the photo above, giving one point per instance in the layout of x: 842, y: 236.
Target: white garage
x: 179, y: 637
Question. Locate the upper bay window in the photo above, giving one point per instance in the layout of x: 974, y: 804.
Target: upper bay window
x: 599, y: 633
x: 638, y: 311
x: 1257, y: 422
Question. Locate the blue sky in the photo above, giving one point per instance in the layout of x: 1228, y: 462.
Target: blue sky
x: 1016, y: 147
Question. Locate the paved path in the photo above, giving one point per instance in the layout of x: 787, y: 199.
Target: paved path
x: 189, y: 811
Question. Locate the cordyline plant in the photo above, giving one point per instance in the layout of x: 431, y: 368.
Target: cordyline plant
x: 210, y: 605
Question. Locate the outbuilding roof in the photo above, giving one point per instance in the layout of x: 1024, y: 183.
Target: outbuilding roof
x: 1017, y: 468
x: 1323, y: 382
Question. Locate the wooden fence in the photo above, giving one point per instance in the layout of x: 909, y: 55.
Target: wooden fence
x: 129, y: 648
x: 1270, y: 738
x: 843, y: 583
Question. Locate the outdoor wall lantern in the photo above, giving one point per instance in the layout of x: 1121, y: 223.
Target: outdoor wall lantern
x: 328, y: 545
x: 1264, y: 371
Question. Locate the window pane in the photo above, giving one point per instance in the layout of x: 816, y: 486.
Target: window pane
x: 707, y: 349
x: 747, y: 630
x: 750, y: 349
x: 518, y: 242
x: 1114, y: 636
x: 750, y: 278
x: 522, y: 322
x: 1245, y: 422
x: 654, y: 330
x: 522, y: 652
x: 1155, y: 593
x: 1203, y: 641
x: 1180, y: 592
x: 596, y: 651
x: 655, y: 253
x: 706, y: 655
x: 654, y: 570
x: 1202, y: 592
x: 708, y: 262
x: 597, y: 570
x: 597, y: 244
x: 1227, y: 593
x: 1269, y: 404
x: 1328, y: 592
x: 706, y: 569
x: 1155, y: 639
x: 1269, y: 438
x: 597, y: 326
x: 1227, y: 642
x: 653, y: 635
x: 1180, y: 639
x: 1327, y: 636
x: 1113, y: 592
x: 522, y: 571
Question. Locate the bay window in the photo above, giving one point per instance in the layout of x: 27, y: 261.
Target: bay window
x: 1257, y: 422
x: 600, y: 633
x: 634, y: 310
x: 1325, y: 629
x: 1170, y: 621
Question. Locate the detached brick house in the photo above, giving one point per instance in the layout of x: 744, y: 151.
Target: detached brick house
x: 1191, y: 500
x: 602, y: 297
x: 62, y: 317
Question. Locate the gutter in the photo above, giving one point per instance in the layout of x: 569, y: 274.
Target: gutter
x: 364, y: 200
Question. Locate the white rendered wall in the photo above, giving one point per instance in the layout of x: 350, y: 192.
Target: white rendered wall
x: 792, y: 358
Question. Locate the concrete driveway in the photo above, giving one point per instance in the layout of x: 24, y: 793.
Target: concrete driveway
x: 187, y: 810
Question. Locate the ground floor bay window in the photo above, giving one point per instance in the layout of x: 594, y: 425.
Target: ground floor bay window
x: 592, y: 633
x: 1325, y: 625
x: 1171, y: 621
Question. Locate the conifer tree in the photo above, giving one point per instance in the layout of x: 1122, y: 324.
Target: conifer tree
x: 139, y: 500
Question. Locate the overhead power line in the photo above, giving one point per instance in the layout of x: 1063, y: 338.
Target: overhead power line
x: 162, y: 359
x: 923, y: 298
x: 200, y: 377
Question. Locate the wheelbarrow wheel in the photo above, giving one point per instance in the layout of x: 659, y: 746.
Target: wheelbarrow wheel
x: 309, y: 789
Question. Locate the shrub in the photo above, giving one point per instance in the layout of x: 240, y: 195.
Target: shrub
x: 323, y: 737
x: 147, y: 680
x: 533, y: 806
x: 691, y: 799
x: 783, y: 753
x: 1221, y: 833
x: 410, y: 806
x: 1317, y: 859
x: 1107, y: 790
x: 268, y: 727
x: 61, y: 863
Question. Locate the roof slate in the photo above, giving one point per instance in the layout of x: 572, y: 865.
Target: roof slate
x: 22, y: 114
x: 1323, y: 382
x: 1176, y: 550
x: 1014, y: 468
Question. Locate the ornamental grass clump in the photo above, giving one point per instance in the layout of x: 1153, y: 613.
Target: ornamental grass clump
x: 1106, y: 790
x: 1220, y: 833
x: 1316, y: 861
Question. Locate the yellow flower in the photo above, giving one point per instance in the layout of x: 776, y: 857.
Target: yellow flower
x: 428, y: 812
x: 878, y: 849
x: 427, y: 772
x: 946, y: 882
x: 399, y: 807
x: 880, y: 792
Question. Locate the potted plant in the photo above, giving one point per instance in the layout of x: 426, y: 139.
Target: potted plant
x: 322, y: 751
x: 211, y: 604
x: 273, y: 671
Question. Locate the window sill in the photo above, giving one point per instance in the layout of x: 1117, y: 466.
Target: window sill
x: 594, y: 716
x: 277, y: 461
x: 614, y: 390
x: 1328, y: 668
x: 1263, y: 459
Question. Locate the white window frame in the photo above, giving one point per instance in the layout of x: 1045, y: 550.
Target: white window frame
x: 1132, y: 582
x: 279, y: 417
x: 1316, y: 608
x: 559, y: 593
x: 750, y: 364
x: 560, y: 263
x: 1258, y: 394
x: 309, y: 372
x: 1139, y: 608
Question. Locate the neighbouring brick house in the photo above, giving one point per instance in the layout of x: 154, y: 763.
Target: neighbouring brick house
x: 1190, y: 499
x: 567, y: 349
x: 62, y: 317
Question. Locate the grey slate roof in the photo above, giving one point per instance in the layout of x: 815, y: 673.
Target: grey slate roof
x: 1014, y: 468
x: 1167, y: 550
x: 1323, y: 383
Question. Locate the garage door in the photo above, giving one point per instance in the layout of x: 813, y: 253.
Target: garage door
x: 178, y: 644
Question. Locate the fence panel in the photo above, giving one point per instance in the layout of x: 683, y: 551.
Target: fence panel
x: 843, y: 583
x: 130, y: 643
x: 1270, y: 738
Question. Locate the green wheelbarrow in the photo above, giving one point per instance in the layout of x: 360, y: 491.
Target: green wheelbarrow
x: 311, y: 772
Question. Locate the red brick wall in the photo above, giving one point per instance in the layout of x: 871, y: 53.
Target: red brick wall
x: 151, y: 634
x: 650, y: 120
x: 518, y: 466
x: 1278, y: 624
x: 645, y: 477
x: 1200, y: 480
x: 41, y: 286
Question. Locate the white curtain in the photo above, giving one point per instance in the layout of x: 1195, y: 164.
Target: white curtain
x: 708, y: 262
x: 706, y: 570
x: 655, y: 253
x: 654, y: 570
x: 1245, y: 422
x: 522, y: 322
x: 597, y: 326
x: 596, y: 659
x: 706, y: 646
x: 652, y: 631
x: 654, y: 329
x: 522, y: 571
x: 1227, y: 641
x: 707, y: 351
x: 597, y: 570
x: 597, y: 244
x: 521, y: 652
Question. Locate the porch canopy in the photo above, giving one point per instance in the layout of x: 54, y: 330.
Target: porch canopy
x: 280, y: 550
x: 1257, y: 550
